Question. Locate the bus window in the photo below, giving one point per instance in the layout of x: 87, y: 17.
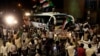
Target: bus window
x: 60, y: 19
x: 40, y: 19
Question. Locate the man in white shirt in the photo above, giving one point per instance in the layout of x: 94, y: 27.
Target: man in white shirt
x: 4, y: 34
x: 9, y: 44
x: 4, y: 50
x: 90, y: 50
x: 71, y: 49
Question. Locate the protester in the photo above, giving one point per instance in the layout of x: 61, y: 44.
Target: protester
x: 9, y: 45
x: 31, y: 41
x: 71, y: 49
x: 80, y: 50
x: 32, y: 48
x: 14, y: 49
x: 24, y: 49
x: 4, y: 50
x: 18, y: 45
x: 89, y: 51
x: 98, y: 52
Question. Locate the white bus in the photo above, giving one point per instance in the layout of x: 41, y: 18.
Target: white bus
x: 49, y: 19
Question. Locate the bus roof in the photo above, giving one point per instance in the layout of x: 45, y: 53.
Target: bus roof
x: 49, y: 14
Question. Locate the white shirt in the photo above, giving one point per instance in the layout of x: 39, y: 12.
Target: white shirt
x: 4, y: 32
x: 8, y: 44
x: 50, y: 34
x: 18, y: 42
x: 71, y: 50
x: 24, y: 46
x: 4, y: 50
x: 89, y: 51
x: 13, y: 49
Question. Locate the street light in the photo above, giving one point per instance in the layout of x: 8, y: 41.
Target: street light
x: 10, y: 20
x: 19, y: 5
x: 27, y: 14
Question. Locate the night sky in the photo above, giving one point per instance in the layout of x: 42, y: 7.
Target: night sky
x: 26, y: 3
x: 14, y: 3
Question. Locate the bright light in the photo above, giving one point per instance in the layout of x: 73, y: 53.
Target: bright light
x: 27, y: 14
x: 19, y: 5
x: 55, y: 35
x: 15, y: 22
x: 10, y: 20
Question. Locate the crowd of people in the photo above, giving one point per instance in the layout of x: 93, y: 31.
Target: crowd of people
x: 82, y: 40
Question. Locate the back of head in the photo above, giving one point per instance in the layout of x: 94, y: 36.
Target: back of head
x: 71, y: 44
x: 89, y: 45
x: 82, y: 45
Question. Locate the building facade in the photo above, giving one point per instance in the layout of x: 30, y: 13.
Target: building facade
x: 83, y: 9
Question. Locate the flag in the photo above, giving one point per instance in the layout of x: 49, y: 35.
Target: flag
x: 46, y: 4
x: 66, y: 21
x: 51, y: 4
x: 64, y: 24
x: 42, y: 1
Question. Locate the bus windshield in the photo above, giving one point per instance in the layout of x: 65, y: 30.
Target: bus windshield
x: 60, y: 19
x: 40, y: 19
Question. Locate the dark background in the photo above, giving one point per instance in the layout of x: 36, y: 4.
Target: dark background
x: 26, y: 3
